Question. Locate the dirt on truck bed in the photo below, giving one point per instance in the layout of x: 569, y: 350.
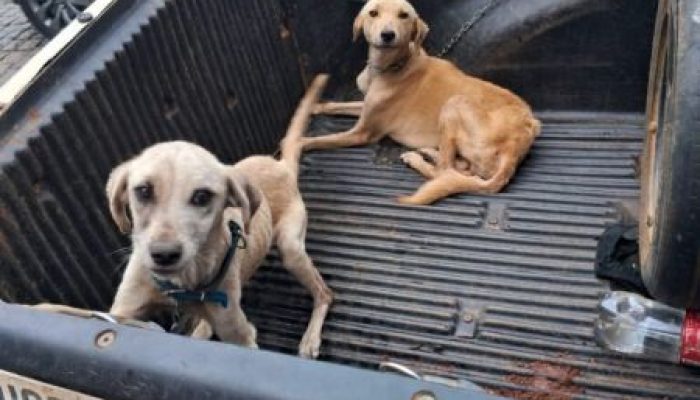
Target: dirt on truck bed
x: 410, y: 281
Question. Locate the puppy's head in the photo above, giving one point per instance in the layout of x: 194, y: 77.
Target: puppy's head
x: 171, y: 198
x: 389, y: 24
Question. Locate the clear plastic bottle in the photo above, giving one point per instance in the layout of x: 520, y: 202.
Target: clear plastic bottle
x: 631, y: 324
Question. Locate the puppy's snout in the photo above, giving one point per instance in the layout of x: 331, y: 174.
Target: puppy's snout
x: 165, y: 254
x: 388, y: 36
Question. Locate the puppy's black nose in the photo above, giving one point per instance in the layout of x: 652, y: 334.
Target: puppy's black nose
x: 165, y: 253
x: 388, y: 36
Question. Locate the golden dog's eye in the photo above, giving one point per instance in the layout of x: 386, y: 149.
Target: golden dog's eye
x: 374, y: 13
x: 144, y: 193
x: 201, y: 197
x: 403, y: 15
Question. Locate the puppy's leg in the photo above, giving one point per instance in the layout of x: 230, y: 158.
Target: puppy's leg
x: 203, y: 330
x: 231, y: 324
x: 350, y: 108
x: 291, y: 237
x: 357, y: 136
x: 136, y: 296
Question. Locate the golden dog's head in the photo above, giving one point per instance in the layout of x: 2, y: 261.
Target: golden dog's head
x: 390, y: 24
x: 171, y: 198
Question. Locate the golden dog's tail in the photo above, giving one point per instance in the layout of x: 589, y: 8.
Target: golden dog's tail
x: 291, y: 146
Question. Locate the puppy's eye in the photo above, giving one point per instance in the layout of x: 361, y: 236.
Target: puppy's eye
x: 403, y: 15
x: 144, y: 193
x: 201, y: 197
x: 374, y: 13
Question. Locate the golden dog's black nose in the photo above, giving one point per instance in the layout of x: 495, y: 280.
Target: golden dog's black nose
x: 388, y: 36
x: 165, y: 253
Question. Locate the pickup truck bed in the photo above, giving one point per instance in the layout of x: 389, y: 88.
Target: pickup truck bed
x: 495, y: 290
x: 521, y: 262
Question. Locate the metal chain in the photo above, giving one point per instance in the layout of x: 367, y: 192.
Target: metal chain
x: 466, y: 26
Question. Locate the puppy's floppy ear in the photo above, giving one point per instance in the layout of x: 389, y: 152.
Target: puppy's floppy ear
x: 420, y: 31
x: 358, y: 26
x: 241, y: 193
x: 118, y: 196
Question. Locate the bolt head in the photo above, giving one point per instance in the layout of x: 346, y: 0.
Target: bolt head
x: 424, y: 395
x: 84, y: 17
x: 105, y: 338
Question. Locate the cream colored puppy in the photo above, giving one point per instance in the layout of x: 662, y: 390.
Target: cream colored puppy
x: 481, y: 131
x: 178, y: 202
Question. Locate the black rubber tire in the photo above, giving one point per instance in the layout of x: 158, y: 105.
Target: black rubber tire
x: 670, y: 206
x: 46, y: 30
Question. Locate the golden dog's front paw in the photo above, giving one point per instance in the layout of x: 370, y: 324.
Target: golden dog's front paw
x: 407, y: 200
x: 412, y: 200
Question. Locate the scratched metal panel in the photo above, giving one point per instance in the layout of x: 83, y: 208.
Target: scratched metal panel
x: 523, y: 258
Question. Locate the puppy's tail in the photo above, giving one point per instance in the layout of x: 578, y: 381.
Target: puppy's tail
x: 291, y: 146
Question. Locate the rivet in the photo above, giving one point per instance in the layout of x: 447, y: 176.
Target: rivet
x: 105, y: 338
x: 468, y: 317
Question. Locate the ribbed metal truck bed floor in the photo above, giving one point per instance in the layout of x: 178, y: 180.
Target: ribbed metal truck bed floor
x: 524, y: 257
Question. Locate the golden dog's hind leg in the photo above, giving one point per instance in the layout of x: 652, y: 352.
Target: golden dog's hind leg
x: 451, y: 181
x: 415, y: 160
x: 291, y: 237
x: 350, y: 108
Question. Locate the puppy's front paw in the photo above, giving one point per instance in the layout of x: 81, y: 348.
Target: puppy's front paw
x: 310, y: 346
x: 250, y: 337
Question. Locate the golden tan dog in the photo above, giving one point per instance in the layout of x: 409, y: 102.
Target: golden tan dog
x: 482, y: 131
x: 181, y: 200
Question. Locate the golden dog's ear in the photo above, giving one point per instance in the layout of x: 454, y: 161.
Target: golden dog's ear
x: 420, y: 31
x: 241, y: 193
x: 118, y: 196
x: 358, y: 26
